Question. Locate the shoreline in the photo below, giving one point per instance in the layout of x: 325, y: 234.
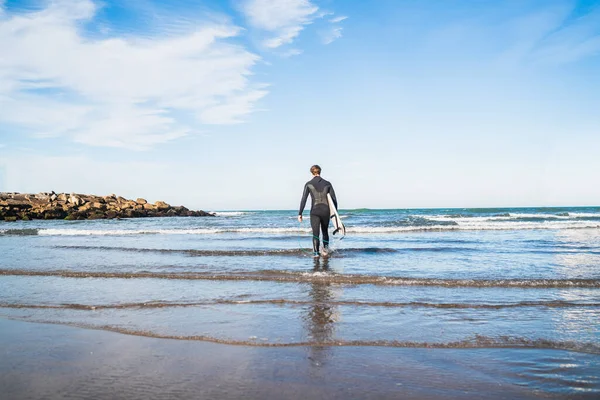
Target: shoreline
x: 57, y: 361
x: 52, y: 206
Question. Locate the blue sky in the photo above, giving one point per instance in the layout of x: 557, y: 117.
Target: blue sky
x: 226, y: 104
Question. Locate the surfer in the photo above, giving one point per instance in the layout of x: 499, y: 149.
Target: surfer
x: 319, y: 210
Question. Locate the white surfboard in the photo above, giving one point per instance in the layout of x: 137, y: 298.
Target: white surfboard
x: 338, y: 226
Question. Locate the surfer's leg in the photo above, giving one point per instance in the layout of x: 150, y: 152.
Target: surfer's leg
x: 315, y: 223
x: 324, y: 229
x: 324, y: 225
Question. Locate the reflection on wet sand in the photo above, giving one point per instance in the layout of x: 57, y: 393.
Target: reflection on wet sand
x: 321, y: 316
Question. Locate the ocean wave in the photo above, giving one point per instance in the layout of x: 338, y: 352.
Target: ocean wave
x: 19, y: 232
x: 476, y: 226
x: 230, y: 213
x: 282, y: 301
x: 472, y: 342
x: 420, y: 224
x: 193, y: 231
x: 312, y: 277
x: 254, y: 252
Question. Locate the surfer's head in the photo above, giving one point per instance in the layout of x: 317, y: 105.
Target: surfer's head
x: 315, y: 170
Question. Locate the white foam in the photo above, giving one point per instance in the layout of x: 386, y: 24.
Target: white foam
x: 230, y: 213
x: 461, y: 224
x: 479, y: 225
x: 121, y: 232
x: 197, y: 231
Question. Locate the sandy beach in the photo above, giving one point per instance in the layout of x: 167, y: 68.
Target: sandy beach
x: 47, y: 361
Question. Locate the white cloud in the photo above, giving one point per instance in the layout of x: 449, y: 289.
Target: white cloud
x: 571, y: 42
x: 338, y: 19
x: 55, y: 81
x: 334, y: 31
x: 545, y: 37
x: 284, y: 18
x: 330, y: 35
x: 291, y: 53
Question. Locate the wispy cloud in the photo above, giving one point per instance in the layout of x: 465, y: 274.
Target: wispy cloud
x: 284, y: 19
x: 291, y: 53
x: 572, y: 40
x: 557, y: 34
x: 338, y: 19
x: 334, y: 31
x: 123, y: 92
x: 330, y: 35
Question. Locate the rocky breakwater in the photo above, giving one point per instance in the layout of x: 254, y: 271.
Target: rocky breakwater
x: 17, y: 206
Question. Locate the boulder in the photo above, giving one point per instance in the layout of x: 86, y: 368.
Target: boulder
x: 43, y: 196
x: 141, y: 201
x: 55, y: 213
x: 98, y: 205
x: 17, y: 203
x: 74, y: 200
x: 20, y: 197
x: 111, y: 214
x: 161, y: 205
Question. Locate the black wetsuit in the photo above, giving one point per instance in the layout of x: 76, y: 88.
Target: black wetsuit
x: 319, y: 210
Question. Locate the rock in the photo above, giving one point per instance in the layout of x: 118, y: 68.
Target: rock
x: 161, y: 205
x: 76, y: 215
x: 61, y: 197
x: 53, y: 197
x: 55, y: 213
x: 99, y: 205
x: 149, y: 206
x: 43, y: 196
x: 74, y: 200
x: 17, y: 203
x: 20, y: 197
x: 10, y: 219
x: 111, y: 214
x: 141, y: 201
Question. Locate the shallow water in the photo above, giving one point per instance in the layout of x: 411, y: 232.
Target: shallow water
x: 462, y: 278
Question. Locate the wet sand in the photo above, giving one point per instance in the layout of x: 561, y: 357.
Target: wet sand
x: 56, y: 362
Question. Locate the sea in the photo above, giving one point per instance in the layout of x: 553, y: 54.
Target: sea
x: 501, y: 278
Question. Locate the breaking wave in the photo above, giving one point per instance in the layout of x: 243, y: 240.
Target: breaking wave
x: 389, y: 304
x: 473, y: 342
x: 316, y: 277
x: 422, y: 227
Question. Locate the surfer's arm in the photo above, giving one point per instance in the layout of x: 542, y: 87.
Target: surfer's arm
x: 332, y: 193
x: 303, y: 201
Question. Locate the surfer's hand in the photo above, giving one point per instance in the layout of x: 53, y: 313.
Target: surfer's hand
x: 299, y: 218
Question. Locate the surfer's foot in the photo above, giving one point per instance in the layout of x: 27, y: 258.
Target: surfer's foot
x: 324, y: 252
x: 316, y: 254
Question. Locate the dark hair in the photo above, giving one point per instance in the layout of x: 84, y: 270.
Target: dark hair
x: 315, y: 170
